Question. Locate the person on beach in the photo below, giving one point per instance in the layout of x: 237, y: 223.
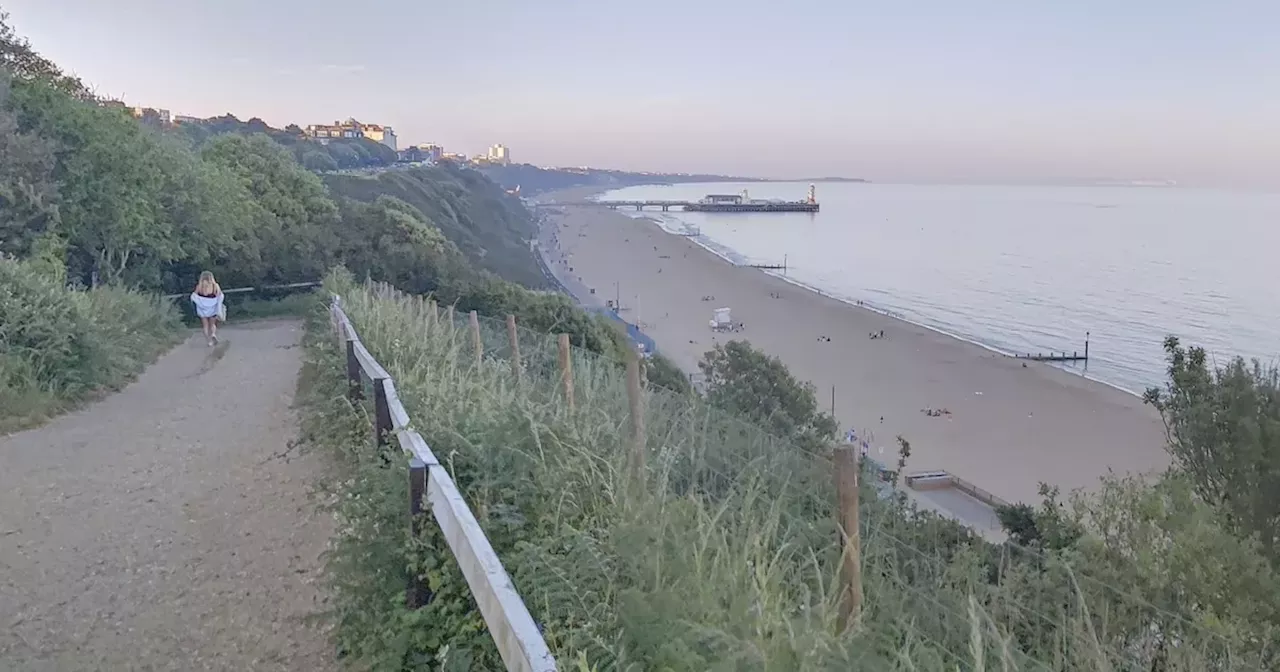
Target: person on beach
x: 207, y: 298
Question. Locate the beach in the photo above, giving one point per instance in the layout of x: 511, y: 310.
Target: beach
x: 1002, y: 424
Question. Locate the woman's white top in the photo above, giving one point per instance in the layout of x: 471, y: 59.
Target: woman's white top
x: 206, y: 306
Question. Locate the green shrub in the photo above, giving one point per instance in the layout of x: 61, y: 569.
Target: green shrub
x: 725, y: 556
x: 59, y: 346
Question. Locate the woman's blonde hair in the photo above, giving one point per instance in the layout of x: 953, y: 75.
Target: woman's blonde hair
x: 207, y: 285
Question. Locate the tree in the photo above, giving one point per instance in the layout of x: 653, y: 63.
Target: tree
x: 111, y: 175
x: 299, y: 227
x: 318, y: 160
x: 662, y: 372
x: 28, y: 193
x: 344, y: 155
x: 1223, y: 428
x: 389, y: 241
x: 21, y: 61
x: 757, y: 386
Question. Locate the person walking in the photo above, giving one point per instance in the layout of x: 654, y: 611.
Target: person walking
x: 209, y: 308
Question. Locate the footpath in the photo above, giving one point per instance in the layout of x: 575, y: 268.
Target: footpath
x: 171, y: 525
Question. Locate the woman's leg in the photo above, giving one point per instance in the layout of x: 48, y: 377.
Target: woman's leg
x: 213, y: 330
x: 206, y: 323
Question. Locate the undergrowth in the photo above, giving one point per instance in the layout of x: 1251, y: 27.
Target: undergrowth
x: 722, y: 554
x: 372, y: 554
x: 60, y: 347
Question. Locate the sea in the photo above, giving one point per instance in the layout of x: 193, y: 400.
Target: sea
x: 1024, y: 269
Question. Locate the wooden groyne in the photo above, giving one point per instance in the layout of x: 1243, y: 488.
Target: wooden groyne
x: 765, y: 266
x: 1075, y: 356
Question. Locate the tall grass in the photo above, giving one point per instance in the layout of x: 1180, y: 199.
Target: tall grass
x: 60, y: 346
x: 725, y: 554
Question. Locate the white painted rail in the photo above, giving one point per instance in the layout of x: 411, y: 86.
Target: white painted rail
x: 514, y: 631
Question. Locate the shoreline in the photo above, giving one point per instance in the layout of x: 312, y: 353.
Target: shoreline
x: 854, y: 303
x: 1009, y: 424
x: 729, y: 257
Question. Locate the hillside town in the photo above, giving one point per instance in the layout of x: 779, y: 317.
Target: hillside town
x: 349, y: 129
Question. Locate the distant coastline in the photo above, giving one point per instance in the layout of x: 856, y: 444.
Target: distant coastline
x: 529, y: 180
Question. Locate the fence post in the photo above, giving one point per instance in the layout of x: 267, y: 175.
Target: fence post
x: 514, y: 336
x: 417, y: 594
x: 432, y: 315
x: 846, y: 463
x: 566, y: 370
x: 475, y: 337
x: 337, y: 324
x: 381, y: 414
x: 636, y: 403
x: 355, y: 388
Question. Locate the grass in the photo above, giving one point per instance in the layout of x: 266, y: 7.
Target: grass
x: 724, y: 556
x: 60, y: 347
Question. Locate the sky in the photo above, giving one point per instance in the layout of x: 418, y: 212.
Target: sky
x: 980, y: 91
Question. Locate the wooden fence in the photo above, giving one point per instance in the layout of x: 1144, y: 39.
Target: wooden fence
x: 243, y: 290
x: 518, y: 638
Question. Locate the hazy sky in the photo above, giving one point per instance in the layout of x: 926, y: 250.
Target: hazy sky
x: 925, y: 90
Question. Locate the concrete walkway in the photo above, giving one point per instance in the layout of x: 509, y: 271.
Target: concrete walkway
x: 169, y: 526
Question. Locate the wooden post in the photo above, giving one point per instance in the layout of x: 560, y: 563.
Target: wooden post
x: 355, y: 387
x: 432, y: 315
x: 1086, y: 347
x: 334, y: 322
x: 381, y: 414
x: 846, y: 463
x: 634, y: 396
x: 514, y: 336
x: 475, y: 337
x: 566, y: 370
x: 417, y: 594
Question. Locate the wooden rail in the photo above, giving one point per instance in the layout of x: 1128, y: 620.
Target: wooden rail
x: 518, y: 638
x: 242, y: 290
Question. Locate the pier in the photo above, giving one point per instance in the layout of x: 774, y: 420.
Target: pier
x: 699, y: 206
x: 1075, y: 356
x: 710, y: 203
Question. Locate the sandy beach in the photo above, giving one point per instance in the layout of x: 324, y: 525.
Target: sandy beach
x: 1008, y: 428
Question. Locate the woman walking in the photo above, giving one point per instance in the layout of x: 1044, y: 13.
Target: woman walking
x: 209, y: 308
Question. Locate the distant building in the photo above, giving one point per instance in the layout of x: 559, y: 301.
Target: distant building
x: 152, y: 114
x: 499, y: 154
x: 351, y: 129
x: 382, y: 134
x: 184, y: 119
x: 426, y: 152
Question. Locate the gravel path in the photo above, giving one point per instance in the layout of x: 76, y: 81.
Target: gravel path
x: 169, y: 526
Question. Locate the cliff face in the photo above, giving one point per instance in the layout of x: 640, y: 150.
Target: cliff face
x: 490, y: 227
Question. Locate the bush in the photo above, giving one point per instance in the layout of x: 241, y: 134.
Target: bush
x: 59, y: 346
x: 724, y: 557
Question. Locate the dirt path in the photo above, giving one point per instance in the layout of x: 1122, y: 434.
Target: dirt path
x: 169, y: 526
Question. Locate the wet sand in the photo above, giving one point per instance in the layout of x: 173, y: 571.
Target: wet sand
x: 1010, y: 426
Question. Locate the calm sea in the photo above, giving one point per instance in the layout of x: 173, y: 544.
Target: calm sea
x: 1022, y: 269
